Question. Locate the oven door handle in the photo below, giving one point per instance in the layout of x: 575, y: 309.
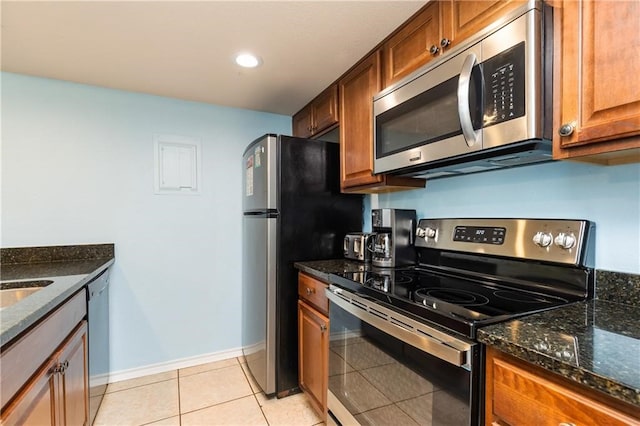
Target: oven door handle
x: 464, y: 89
x: 414, y: 333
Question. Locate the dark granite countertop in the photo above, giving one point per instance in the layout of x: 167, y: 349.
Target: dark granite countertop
x: 321, y: 269
x: 69, y: 267
x: 595, y: 343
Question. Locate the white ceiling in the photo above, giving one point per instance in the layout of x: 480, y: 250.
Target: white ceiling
x: 185, y: 49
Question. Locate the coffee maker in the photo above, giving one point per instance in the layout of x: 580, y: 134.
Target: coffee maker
x: 394, y: 237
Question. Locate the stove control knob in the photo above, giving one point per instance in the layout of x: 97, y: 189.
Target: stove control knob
x: 565, y: 241
x: 426, y: 232
x: 542, y: 239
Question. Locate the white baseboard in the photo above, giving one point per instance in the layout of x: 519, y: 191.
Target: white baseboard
x: 162, y: 367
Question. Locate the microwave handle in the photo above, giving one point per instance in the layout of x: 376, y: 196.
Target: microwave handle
x: 464, y: 87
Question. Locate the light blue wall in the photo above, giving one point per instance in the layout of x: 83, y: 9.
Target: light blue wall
x: 606, y: 195
x: 77, y: 167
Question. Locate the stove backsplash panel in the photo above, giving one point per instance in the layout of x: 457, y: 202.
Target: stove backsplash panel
x: 618, y: 287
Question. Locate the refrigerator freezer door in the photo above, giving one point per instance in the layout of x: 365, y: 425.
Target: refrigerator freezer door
x: 259, y: 298
x: 260, y: 175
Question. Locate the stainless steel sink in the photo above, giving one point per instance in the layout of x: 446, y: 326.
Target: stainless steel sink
x: 12, y: 292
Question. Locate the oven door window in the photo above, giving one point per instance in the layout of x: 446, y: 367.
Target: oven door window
x: 428, y: 117
x: 379, y: 379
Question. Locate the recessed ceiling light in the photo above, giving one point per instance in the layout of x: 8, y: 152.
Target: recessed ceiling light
x: 248, y: 60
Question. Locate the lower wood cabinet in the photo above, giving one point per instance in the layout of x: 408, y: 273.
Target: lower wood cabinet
x: 58, y: 393
x: 313, y: 341
x: 44, y: 386
x: 519, y: 393
x: 313, y: 329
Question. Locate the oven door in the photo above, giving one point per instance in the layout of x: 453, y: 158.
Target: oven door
x: 386, y: 368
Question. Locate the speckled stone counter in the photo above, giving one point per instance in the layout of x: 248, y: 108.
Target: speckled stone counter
x: 69, y: 267
x: 322, y: 268
x: 595, y: 343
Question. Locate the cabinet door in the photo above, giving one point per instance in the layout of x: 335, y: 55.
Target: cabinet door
x: 36, y: 404
x: 463, y: 19
x: 598, y: 89
x: 417, y: 42
x: 313, y: 335
x: 356, y: 90
x: 356, y: 122
x: 325, y: 109
x: 74, y: 384
x: 302, y: 123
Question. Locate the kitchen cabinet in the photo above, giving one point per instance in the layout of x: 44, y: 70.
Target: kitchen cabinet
x: 356, y: 90
x: 319, y: 115
x: 464, y: 19
x: 434, y: 30
x: 415, y: 44
x: 597, y: 89
x: 58, y: 392
x: 313, y: 341
x: 518, y: 393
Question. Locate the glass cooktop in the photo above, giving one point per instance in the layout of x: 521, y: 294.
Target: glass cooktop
x: 460, y: 303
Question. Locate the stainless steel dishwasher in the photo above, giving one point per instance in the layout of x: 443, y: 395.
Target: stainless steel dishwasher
x: 98, y: 312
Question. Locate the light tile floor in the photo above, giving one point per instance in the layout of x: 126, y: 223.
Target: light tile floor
x: 218, y: 393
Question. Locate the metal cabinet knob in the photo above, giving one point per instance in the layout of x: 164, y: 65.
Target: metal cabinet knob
x: 445, y: 42
x: 566, y: 129
x: 566, y: 424
x: 310, y: 291
x: 323, y: 328
x: 434, y: 50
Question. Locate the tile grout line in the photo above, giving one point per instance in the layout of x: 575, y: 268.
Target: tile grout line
x: 254, y: 394
x: 219, y: 403
x: 139, y: 386
x: 179, y: 402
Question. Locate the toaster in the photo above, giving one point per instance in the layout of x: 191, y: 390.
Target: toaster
x: 359, y: 246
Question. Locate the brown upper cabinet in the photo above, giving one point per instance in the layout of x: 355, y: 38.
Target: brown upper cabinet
x: 357, y: 88
x: 463, y: 19
x: 319, y: 115
x: 436, y: 28
x: 415, y: 44
x: 597, y: 88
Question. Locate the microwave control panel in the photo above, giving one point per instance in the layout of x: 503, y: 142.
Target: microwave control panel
x: 504, y: 76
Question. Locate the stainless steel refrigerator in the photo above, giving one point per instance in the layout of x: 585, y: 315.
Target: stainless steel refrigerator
x: 292, y: 211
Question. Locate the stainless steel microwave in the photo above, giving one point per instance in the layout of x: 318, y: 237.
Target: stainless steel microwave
x: 486, y: 105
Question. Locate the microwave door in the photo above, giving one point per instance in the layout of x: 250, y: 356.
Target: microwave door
x: 420, y: 121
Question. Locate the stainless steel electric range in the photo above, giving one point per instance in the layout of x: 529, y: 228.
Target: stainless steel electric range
x: 403, y: 346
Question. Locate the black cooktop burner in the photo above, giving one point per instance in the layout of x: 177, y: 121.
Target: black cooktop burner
x: 450, y: 295
x: 458, y: 302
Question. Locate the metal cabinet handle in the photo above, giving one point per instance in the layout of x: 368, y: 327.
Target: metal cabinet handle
x: 61, y: 367
x: 445, y: 42
x: 434, y: 50
x: 323, y: 328
x: 566, y: 424
x: 566, y: 129
x: 310, y: 291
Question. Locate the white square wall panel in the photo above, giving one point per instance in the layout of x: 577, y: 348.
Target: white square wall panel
x: 177, y: 164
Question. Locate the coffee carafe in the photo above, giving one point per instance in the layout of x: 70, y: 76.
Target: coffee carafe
x: 394, y: 237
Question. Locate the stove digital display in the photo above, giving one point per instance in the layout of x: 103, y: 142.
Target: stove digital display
x: 479, y: 234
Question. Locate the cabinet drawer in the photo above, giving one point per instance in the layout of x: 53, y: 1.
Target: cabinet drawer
x: 312, y: 290
x: 520, y: 396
